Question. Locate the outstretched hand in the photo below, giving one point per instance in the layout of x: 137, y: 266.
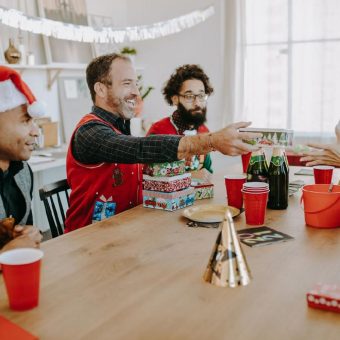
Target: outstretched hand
x: 326, y: 154
x: 229, y: 140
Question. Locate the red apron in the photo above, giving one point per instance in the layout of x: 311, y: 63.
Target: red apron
x: 166, y: 127
x: 99, y: 191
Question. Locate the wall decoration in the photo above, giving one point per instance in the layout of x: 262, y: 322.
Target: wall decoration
x: 75, y: 102
x: 68, y: 12
x: 12, y: 54
x: 98, y: 22
x: 80, y: 32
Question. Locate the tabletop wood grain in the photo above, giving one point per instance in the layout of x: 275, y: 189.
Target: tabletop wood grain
x: 139, y: 274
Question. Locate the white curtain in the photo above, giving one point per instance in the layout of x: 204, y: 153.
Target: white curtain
x: 234, y: 46
x: 282, y: 66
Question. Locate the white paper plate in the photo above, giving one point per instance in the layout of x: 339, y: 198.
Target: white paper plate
x: 209, y: 213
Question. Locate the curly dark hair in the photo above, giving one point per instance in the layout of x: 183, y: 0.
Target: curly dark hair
x: 181, y: 74
x: 99, y: 70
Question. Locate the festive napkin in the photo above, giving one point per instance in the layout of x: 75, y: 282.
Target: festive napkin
x: 11, y: 331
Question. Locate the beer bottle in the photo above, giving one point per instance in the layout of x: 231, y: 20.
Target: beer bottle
x: 286, y: 162
x: 278, y: 180
x: 257, y: 169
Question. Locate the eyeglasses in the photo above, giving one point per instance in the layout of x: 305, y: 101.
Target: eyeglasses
x: 190, y: 98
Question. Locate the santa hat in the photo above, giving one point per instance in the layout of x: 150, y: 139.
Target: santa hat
x: 15, y: 92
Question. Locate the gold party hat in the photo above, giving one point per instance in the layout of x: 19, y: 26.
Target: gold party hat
x: 227, y: 265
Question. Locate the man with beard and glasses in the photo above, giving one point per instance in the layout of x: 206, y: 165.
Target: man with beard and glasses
x: 188, y: 89
x: 103, y: 160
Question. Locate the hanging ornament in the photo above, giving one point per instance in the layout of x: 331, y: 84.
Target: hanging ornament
x: 12, y: 54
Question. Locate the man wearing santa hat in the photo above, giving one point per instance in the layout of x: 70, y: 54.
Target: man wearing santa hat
x: 18, y: 132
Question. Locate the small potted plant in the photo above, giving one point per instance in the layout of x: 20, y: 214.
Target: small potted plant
x: 130, y: 52
x: 144, y: 92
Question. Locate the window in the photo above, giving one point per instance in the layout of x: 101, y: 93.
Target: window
x: 292, y: 64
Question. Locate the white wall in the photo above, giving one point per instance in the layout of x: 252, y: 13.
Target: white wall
x: 158, y: 58
x: 199, y: 45
x: 37, y: 79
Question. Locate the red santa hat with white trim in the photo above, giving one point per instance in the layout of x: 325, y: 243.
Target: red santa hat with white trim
x: 15, y: 92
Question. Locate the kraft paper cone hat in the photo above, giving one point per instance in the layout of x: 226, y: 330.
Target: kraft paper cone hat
x: 227, y: 265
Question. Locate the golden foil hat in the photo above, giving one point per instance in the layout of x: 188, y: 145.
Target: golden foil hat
x: 227, y: 265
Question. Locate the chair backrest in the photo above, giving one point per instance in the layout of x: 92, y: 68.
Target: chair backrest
x: 50, y: 194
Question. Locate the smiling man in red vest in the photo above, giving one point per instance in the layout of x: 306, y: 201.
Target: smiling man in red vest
x: 188, y: 89
x: 103, y: 160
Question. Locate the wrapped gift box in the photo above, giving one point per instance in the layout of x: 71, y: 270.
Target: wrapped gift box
x: 167, y: 184
x: 168, y: 200
x: 165, y: 169
x: 202, y: 189
x: 270, y: 137
x: 325, y: 296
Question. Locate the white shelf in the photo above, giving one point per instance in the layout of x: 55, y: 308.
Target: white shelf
x: 54, y: 66
x: 27, y: 67
x: 53, y: 70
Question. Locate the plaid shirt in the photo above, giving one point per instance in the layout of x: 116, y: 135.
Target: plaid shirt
x: 95, y: 142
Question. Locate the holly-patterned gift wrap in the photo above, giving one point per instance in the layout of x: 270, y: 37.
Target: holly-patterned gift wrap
x: 325, y: 296
x: 170, y: 201
x: 202, y: 189
x: 167, y: 184
x: 166, y: 169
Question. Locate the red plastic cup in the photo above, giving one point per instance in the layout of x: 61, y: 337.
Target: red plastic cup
x: 233, y: 184
x: 21, y: 271
x: 255, y: 186
x: 245, y: 161
x: 323, y: 174
x: 255, y: 207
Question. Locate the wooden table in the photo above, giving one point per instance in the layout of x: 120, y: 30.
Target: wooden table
x: 139, y: 274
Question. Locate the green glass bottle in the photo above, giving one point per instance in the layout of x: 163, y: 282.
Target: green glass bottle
x: 278, y: 180
x: 257, y: 169
x: 286, y: 162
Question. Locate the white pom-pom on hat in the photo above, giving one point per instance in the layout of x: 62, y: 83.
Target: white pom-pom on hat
x: 15, y: 92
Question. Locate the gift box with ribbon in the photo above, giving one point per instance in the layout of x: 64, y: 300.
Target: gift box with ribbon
x: 165, y: 169
x: 325, y: 296
x: 170, y: 201
x: 167, y: 184
x: 202, y: 189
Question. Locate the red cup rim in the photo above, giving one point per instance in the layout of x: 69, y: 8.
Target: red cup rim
x: 21, y: 256
x: 236, y: 176
x: 254, y: 188
x: 255, y: 192
x: 323, y: 167
x: 256, y: 185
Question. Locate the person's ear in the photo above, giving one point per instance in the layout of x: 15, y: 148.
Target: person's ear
x: 100, y: 89
x: 175, y: 100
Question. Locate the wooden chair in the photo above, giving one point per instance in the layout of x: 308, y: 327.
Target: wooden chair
x: 50, y: 194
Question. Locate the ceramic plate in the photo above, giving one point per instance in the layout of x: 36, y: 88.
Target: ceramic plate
x: 209, y: 213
